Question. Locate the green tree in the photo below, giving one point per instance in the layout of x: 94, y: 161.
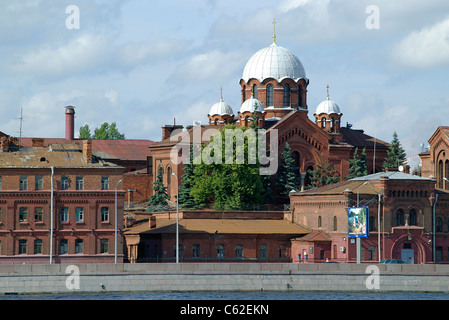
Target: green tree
x: 323, y: 175
x: 288, y: 178
x: 85, y: 132
x: 186, y: 200
x: 105, y: 131
x: 159, y: 199
x: 228, y: 186
x: 255, y: 118
x: 357, y: 166
x: 395, y: 155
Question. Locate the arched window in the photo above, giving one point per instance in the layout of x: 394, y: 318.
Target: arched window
x: 308, y: 179
x: 323, y: 122
x: 440, y: 174
x: 296, y: 159
x: 412, y: 217
x: 371, y: 253
x: 335, y: 223
x: 270, y: 95
x: 319, y: 221
x: 299, y: 96
x: 371, y: 224
x: 286, y: 96
x: 255, y: 91
x: 244, y: 93
x: 439, y: 224
x: 446, y: 174
x: 169, y: 181
x: 333, y: 124
x: 399, y: 217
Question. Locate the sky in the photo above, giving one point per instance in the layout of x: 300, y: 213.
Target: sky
x: 146, y: 63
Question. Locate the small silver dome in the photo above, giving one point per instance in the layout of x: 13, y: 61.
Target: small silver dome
x: 249, y: 104
x: 221, y: 108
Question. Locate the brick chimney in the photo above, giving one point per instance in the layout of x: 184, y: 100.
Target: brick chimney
x: 38, y: 142
x: 152, y: 222
x: 69, y: 123
x: 168, y: 129
x: 87, y: 150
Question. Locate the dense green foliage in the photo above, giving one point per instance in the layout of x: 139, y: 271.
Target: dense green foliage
x: 288, y: 174
x: 105, y: 131
x: 324, y: 174
x: 159, y: 199
x: 357, y: 166
x: 232, y: 185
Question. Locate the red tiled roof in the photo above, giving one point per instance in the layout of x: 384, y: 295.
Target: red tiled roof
x: 315, y: 236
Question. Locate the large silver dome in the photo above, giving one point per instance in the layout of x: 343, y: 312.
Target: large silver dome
x: 274, y: 62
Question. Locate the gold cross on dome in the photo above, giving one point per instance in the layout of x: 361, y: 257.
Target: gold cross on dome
x: 327, y: 91
x: 274, y: 30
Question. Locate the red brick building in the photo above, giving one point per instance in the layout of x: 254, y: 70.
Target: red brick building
x: 132, y: 154
x: 211, y: 236
x: 69, y: 187
x: 275, y: 81
x: 435, y: 164
x: 400, y: 219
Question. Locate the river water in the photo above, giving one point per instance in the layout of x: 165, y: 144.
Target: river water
x: 235, y: 296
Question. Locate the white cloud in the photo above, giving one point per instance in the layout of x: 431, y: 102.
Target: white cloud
x: 426, y: 48
x: 211, y: 65
x: 86, y: 52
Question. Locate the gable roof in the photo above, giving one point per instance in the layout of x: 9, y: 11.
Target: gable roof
x: 315, y: 236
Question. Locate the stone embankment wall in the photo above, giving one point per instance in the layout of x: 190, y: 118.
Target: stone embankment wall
x: 164, y: 277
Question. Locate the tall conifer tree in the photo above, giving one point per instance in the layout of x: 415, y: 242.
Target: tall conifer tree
x: 323, y: 174
x: 186, y: 200
x: 288, y: 178
x: 160, y: 198
x: 395, y: 155
x: 357, y: 166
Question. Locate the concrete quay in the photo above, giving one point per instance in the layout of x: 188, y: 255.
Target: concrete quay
x: 191, y: 277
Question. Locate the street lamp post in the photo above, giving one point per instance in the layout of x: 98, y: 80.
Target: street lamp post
x: 358, y: 240
x: 115, y: 231
x: 177, y: 218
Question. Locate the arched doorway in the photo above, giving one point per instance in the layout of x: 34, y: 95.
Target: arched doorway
x: 409, y: 249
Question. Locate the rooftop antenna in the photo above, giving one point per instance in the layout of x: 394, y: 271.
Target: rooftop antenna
x: 274, y: 30
x: 20, y: 126
x: 374, y: 156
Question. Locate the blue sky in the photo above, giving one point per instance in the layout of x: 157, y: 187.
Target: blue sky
x: 143, y: 63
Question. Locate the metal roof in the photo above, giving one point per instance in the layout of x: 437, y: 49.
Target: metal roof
x: 222, y: 226
x: 392, y: 175
x: 274, y: 62
x: 45, y: 157
x: 124, y: 149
